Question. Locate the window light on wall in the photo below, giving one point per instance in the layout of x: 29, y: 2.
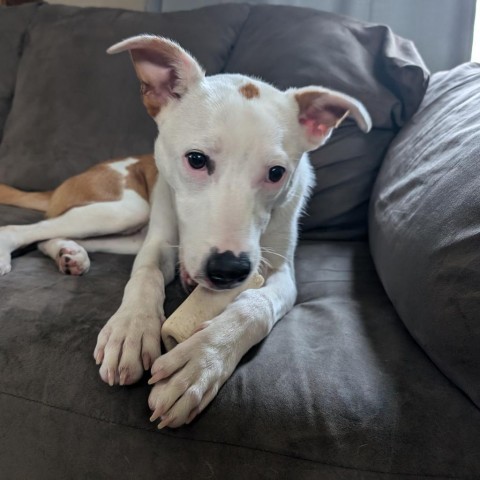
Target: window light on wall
x: 476, y: 36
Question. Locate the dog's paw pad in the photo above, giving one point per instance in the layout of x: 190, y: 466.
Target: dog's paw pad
x: 73, y: 261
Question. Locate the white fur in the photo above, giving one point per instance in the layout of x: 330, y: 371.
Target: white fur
x: 70, y: 257
x: 129, y: 214
x: 122, y: 165
x: 231, y: 208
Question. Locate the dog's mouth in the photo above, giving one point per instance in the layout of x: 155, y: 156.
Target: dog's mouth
x: 188, y: 282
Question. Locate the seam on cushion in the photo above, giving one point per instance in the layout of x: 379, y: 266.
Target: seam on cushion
x: 156, y: 432
x: 20, y: 53
x: 239, y: 34
x: 27, y: 29
x: 23, y: 40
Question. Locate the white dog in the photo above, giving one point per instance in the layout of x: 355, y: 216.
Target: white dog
x: 233, y: 177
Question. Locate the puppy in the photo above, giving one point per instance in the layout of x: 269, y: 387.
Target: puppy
x: 233, y: 178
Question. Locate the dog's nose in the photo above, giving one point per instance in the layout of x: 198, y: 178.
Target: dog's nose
x: 226, y: 270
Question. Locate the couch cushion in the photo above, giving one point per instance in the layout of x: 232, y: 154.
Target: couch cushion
x: 13, y: 25
x: 83, y: 105
x: 292, y: 47
x: 337, y: 390
x: 75, y: 105
x: 425, y: 223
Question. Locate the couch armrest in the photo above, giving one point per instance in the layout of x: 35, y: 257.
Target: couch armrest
x: 425, y: 225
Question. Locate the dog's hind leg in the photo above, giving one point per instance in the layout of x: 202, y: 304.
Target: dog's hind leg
x: 102, y: 218
x: 121, y: 244
x: 70, y: 257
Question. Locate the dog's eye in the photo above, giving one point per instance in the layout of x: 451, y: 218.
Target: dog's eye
x: 275, y: 174
x: 197, y: 160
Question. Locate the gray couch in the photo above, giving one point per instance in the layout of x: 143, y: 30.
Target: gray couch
x: 374, y: 374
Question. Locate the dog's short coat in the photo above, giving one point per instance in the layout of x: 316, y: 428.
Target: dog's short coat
x: 233, y: 178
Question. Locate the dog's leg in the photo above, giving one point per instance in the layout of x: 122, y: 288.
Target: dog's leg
x: 70, y: 257
x: 121, y: 244
x: 189, y: 376
x: 103, y: 218
x: 130, y: 340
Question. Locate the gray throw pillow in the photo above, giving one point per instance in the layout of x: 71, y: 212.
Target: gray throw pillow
x: 13, y: 24
x: 425, y: 225
x: 295, y: 47
x: 75, y: 105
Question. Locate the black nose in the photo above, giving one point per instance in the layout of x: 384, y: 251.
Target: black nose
x: 226, y: 270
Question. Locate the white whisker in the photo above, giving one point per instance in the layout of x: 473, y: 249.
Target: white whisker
x: 272, y: 252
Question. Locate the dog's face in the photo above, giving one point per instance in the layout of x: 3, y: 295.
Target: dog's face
x: 229, y: 147
x: 230, y: 159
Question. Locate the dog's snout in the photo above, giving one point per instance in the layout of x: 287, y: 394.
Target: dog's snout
x: 226, y: 270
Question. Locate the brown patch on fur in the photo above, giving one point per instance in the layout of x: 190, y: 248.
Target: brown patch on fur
x: 142, y: 176
x: 19, y: 198
x: 150, y: 102
x: 98, y: 184
x: 249, y: 91
x: 306, y: 99
x: 152, y: 109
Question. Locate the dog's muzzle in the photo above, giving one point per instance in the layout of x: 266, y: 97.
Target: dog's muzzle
x: 226, y: 270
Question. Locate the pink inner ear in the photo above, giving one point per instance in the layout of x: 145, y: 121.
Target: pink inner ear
x: 155, y: 73
x: 157, y: 80
x: 320, y: 120
x: 314, y: 128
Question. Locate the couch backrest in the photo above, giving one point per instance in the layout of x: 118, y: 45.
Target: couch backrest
x: 75, y: 106
x: 13, y: 26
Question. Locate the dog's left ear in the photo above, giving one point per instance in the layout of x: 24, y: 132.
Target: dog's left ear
x: 321, y: 110
x: 166, y: 71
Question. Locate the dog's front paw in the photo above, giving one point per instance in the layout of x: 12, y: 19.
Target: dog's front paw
x: 127, y: 345
x: 188, y: 377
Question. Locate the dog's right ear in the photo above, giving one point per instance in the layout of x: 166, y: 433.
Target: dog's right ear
x: 165, y: 70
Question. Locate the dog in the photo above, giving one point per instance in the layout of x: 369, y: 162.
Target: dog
x: 222, y: 196
x: 110, y: 198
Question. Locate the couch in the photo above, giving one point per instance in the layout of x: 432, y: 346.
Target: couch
x: 374, y: 374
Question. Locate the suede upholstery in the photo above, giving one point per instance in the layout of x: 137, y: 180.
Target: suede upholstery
x: 339, y: 390
x: 13, y: 25
x: 425, y: 222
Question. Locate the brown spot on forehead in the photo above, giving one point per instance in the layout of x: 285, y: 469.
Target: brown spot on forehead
x: 249, y: 91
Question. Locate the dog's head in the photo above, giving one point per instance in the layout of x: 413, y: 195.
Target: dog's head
x: 229, y: 147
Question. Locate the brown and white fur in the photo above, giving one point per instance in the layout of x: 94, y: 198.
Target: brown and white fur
x: 233, y: 177
x: 111, y: 198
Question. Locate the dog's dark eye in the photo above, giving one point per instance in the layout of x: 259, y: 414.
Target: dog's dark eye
x: 275, y: 174
x: 197, y: 160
